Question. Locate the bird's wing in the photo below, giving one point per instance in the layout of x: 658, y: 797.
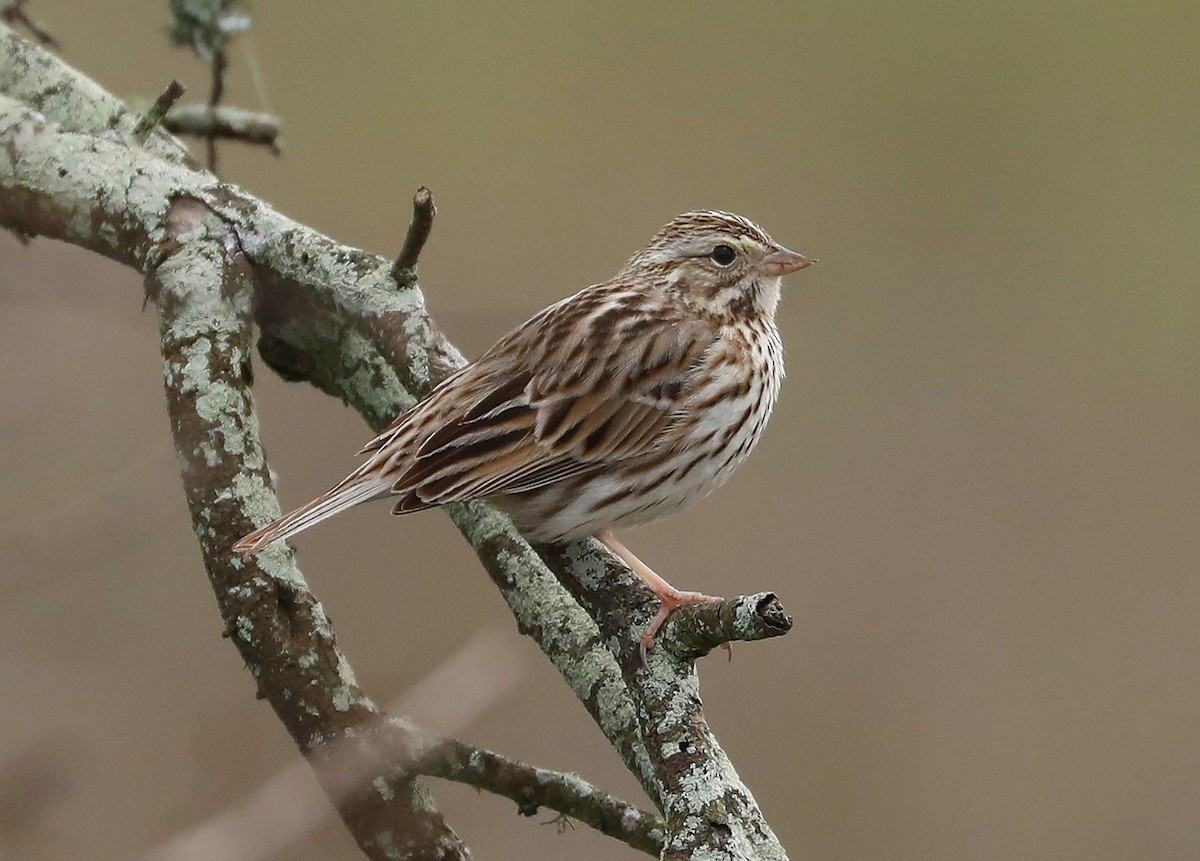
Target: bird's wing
x: 580, y: 396
x: 584, y: 383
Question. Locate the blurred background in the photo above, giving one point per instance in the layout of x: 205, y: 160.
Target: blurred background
x: 979, y: 495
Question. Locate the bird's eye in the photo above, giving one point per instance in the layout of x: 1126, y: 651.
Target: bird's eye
x: 723, y: 255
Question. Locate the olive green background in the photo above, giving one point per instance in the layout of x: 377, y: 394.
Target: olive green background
x: 979, y: 495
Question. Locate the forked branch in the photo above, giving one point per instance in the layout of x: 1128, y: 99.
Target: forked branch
x: 336, y: 316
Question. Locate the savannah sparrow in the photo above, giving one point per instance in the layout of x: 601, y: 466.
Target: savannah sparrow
x: 610, y: 408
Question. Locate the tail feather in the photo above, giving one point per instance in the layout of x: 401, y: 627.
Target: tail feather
x: 352, y: 491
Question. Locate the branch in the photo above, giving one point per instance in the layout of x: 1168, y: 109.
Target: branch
x: 703, y: 627
x: 405, y: 268
x: 277, y: 625
x: 287, y: 807
x: 333, y: 315
x: 532, y: 788
x: 333, y: 298
x: 75, y: 103
x: 216, y: 91
x: 723, y: 820
x: 13, y: 12
x: 154, y: 115
x: 206, y: 26
x: 249, y: 127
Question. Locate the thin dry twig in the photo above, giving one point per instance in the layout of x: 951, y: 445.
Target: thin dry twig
x: 207, y: 26
x: 534, y: 788
x: 405, y: 268
x: 13, y: 12
x: 216, y: 91
x: 157, y: 111
x: 249, y: 127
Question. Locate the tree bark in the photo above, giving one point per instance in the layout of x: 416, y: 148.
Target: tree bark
x: 217, y: 259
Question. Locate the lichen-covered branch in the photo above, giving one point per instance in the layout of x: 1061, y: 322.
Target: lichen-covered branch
x: 743, y: 619
x: 709, y: 811
x: 532, y: 788
x: 38, y: 79
x: 319, y: 303
x: 204, y: 289
x: 336, y: 316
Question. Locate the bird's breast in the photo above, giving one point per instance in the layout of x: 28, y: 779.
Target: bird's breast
x: 716, y: 428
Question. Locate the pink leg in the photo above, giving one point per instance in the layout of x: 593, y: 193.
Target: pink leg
x: 668, y: 594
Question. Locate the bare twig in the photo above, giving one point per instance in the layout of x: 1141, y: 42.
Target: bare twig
x: 216, y: 91
x: 534, y: 788
x: 154, y: 115
x: 206, y: 26
x: 405, y: 268
x: 251, y: 127
x: 13, y: 12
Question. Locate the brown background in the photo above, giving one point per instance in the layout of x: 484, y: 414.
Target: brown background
x: 979, y: 495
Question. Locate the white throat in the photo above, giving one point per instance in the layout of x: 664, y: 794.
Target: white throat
x: 768, y: 293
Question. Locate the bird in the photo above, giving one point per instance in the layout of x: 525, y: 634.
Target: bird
x: 627, y: 401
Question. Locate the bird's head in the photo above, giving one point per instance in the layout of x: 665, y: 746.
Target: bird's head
x: 724, y: 262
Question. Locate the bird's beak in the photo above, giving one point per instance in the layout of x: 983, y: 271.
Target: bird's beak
x: 781, y: 262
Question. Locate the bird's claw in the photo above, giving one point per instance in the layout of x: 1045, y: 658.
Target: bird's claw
x: 670, y: 601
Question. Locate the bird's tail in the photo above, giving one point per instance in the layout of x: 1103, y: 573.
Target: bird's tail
x: 359, y: 487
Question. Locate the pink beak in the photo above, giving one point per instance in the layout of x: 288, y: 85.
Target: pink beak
x: 782, y: 262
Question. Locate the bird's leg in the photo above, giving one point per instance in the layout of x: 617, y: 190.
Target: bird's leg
x: 668, y: 594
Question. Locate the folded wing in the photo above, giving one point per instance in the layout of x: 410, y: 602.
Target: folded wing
x: 573, y: 390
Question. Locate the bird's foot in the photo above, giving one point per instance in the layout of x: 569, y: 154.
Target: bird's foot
x: 671, y: 598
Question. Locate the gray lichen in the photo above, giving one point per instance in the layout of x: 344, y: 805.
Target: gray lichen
x: 69, y: 168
